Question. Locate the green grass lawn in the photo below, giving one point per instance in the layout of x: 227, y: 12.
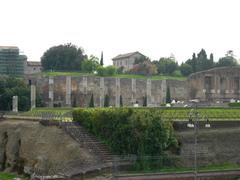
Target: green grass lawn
x: 209, y: 168
x: 177, y: 114
x: 7, y: 176
x: 155, y: 77
x: 210, y: 113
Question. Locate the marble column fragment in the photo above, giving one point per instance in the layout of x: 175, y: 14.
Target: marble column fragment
x: 15, y: 103
x: 50, y: 91
x: 33, y: 96
x: 68, y: 91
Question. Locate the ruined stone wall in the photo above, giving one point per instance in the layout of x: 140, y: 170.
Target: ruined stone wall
x: 218, y: 84
x: 76, y: 91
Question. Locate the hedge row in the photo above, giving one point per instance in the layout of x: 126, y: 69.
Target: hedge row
x: 128, y: 130
x: 235, y: 104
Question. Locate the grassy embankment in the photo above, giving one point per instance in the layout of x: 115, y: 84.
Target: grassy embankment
x: 155, y: 77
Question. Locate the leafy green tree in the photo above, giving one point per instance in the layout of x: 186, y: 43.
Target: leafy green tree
x: 90, y: 65
x: 106, y: 101
x: 166, y: 66
x: 10, y: 87
x: 227, y: 61
x: 91, y: 103
x: 120, y: 70
x: 67, y: 57
x: 186, y: 69
x: 101, y: 61
x: 168, y: 95
x: 106, y: 71
x: 121, y: 101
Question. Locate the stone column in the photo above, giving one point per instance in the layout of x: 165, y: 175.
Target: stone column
x: 134, y: 91
x: 68, y: 91
x: 227, y: 91
x: 117, y: 102
x: 15, y: 104
x: 33, y: 96
x: 85, y: 85
x: 163, y: 91
x: 102, y: 93
x: 50, y: 91
x: 149, y: 92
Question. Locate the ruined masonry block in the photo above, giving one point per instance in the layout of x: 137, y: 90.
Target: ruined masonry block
x: 15, y: 104
x: 33, y: 96
x: 117, y: 100
x: 163, y: 91
x: 102, y: 93
x: 149, y: 92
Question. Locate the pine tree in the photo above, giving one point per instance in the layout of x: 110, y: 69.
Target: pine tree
x: 168, y: 95
x: 106, y: 101
x: 91, y: 103
x: 101, y: 61
x: 121, y: 101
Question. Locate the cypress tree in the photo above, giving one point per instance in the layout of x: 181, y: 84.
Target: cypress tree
x: 145, y: 101
x: 121, y: 101
x: 168, y: 95
x: 106, y: 101
x: 101, y: 60
x: 91, y: 103
x: 194, y: 62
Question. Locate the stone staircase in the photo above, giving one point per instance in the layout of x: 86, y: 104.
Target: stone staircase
x: 87, y: 140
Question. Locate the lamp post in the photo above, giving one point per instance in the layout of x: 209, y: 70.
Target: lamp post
x: 194, y: 123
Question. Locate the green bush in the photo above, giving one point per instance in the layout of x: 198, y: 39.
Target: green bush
x: 106, y: 71
x: 129, y: 130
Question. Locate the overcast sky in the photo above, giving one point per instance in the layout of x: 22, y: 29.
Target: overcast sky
x: 155, y: 28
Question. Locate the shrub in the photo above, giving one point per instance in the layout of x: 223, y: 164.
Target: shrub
x: 128, y: 130
x: 106, y: 71
x: 235, y: 104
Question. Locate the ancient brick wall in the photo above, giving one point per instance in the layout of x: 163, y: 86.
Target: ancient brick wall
x: 218, y: 84
x: 76, y: 91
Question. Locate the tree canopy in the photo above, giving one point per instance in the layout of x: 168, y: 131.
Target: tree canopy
x: 63, y: 57
x: 166, y: 65
x: 10, y: 87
